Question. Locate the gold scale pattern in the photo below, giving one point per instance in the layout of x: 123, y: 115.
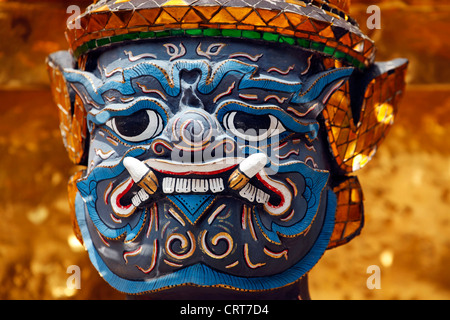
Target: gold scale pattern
x: 354, y: 144
x: 349, y: 218
x: 72, y: 115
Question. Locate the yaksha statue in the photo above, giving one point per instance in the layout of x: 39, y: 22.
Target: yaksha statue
x: 217, y: 139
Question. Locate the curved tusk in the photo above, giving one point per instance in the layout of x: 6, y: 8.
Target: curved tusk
x: 141, y: 174
x: 247, y: 169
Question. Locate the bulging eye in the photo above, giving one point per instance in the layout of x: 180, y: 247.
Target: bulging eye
x: 137, y: 127
x: 252, y: 127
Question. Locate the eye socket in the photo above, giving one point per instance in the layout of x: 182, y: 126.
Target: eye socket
x: 137, y: 127
x: 252, y: 127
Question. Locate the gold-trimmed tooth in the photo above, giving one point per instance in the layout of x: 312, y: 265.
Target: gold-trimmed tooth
x: 237, y: 180
x: 141, y: 174
x: 247, y: 169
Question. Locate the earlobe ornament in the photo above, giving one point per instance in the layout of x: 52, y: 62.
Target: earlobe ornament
x: 72, y: 193
x: 349, y: 217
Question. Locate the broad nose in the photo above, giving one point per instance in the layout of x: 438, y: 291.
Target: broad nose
x: 193, y: 128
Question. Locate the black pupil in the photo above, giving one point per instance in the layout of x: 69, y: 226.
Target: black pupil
x: 132, y: 125
x: 249, y: 123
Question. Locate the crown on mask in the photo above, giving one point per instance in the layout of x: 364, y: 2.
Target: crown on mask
x: 319, y: 25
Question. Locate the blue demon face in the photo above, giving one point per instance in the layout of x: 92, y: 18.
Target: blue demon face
x: 207, y: 165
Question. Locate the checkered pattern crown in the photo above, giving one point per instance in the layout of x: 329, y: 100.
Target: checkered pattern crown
x: 320, y: 25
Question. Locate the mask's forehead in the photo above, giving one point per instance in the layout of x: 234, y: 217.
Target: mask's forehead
x: 172, y: 68
x: 278, y: 60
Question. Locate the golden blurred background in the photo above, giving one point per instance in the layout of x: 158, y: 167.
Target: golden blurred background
x: 406, y: 186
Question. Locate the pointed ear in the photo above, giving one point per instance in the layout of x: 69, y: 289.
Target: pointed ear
x: 332, y: 88
x: 360, y: 80
x: 368, y: 107
x: 78, y: 82
x: 72, y: 114
x: 322, y: 85
x: 56, y: 63
x: 61, y: 60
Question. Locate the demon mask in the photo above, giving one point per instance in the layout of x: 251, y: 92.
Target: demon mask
x: 218, y: 156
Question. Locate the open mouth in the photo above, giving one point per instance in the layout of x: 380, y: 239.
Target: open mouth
x: 240, y: 177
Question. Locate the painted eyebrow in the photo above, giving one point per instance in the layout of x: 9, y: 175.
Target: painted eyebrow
x: 316, y: 84
x: 292, y: 123
x: 126, y: 109
x: 168, y: 74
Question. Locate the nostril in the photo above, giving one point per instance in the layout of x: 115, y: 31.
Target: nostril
x: 190, y: 99
x: 189, y: 81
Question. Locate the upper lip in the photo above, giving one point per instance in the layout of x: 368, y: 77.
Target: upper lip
x: 208, y: 168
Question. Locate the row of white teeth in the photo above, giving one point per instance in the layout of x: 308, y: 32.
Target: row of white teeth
x: 251, y: 192
x: 140, y: 197
x: 185, y: 185
x: 142, y: 175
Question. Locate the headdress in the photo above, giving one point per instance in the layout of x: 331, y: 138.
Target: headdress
x: 324, y: 26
